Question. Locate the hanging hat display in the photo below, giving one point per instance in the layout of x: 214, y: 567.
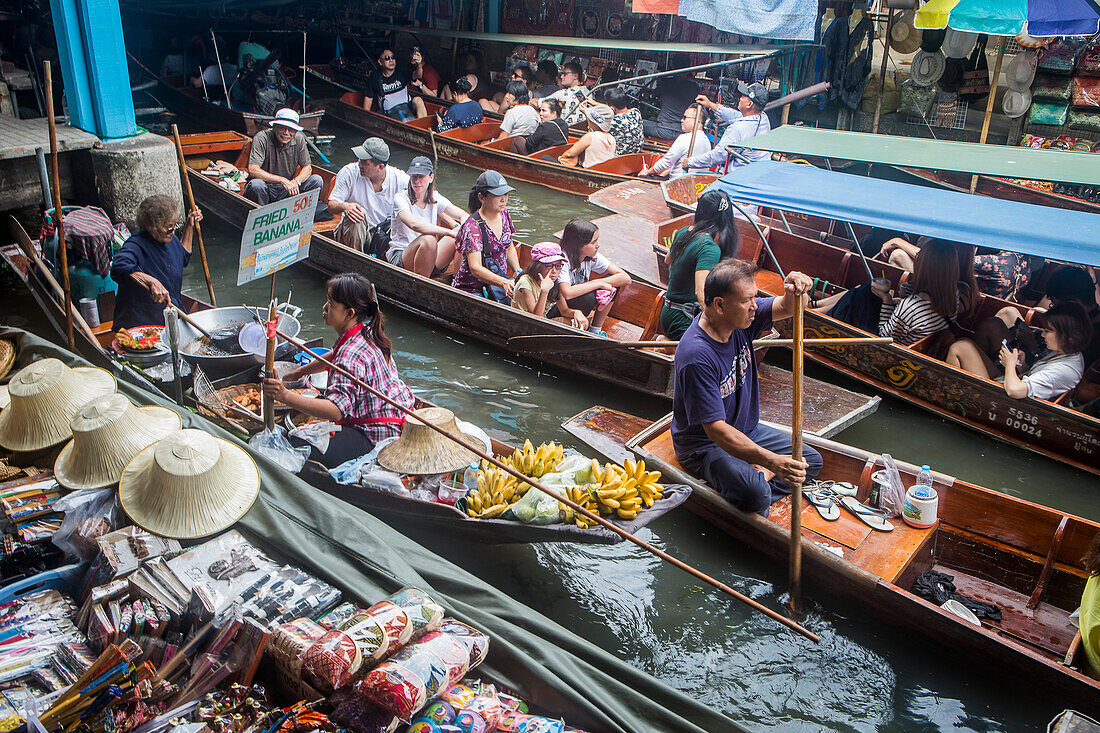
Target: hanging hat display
x: 904, y: 36
x: 107, y: 432
x: 44, y: 397
x: 189, y: 485
x: 931, y: 39
x: 7, y: 357
x: 927, y: 68
x: 1016, y: 102
x: 1029, y: 41
x: 1020, y: 71
x: 422, y: 451
x: 958, y: 44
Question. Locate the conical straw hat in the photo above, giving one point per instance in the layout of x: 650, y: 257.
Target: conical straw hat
x: 422, y: 451
x: 7, y: 356
x: 4, y: 397
x: 107, y: 433
x: 44, y: 397
x: 189, y: 485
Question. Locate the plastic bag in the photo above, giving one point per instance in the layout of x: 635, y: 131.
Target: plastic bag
x: 537, y: 508
x: 416, y: 674
x: 364, y: 470
x: 272, y: 444
x: 1047, y: 113
x: 1086, y: 92
x: 916, y: 100
x: 892, y: 498
x: 332, y: 661
x: 88, y: 516
x: 317, y: 433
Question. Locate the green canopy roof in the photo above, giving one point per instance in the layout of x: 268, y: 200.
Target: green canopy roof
x: 915, y: 152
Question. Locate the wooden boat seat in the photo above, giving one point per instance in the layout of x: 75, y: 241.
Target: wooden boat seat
x: 422, y: 123
x: 479, y: 133
x: 552, y: 152
x: 623, y: 165
x: 505, y: 143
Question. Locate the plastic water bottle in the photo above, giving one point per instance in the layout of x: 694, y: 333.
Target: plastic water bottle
x: 924, y: 478
x: 921, y: 502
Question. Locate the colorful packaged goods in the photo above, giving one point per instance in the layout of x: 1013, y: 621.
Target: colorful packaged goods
x: 332, y: 661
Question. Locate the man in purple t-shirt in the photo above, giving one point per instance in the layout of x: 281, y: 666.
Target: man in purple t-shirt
x: 716, y: 428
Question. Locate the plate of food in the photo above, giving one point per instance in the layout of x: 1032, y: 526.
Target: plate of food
x: 140, y: 339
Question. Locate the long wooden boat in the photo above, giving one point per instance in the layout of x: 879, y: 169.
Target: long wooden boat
x: 1028, y: 192
x: 634, y: 315
x: 1019, y: 556
x: 474, y: 147
x: 190, y: 103
x: 914, y: 373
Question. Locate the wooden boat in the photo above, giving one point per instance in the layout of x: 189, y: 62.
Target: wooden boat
x: 189, y: 102
x: 474, y: 147
x: 1022, y: 557
x: 633, y: 316
x: 1028, y: 192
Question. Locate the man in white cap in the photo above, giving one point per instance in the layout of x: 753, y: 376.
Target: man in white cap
x: 364, y: 194
x: 279, y: 164
x: 748, y: 120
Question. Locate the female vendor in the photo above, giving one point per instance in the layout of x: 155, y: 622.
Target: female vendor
x: 364, y: 350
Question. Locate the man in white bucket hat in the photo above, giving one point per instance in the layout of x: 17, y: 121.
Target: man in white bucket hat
x: 278, y: 164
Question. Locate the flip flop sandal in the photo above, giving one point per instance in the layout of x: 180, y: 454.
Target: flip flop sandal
x: 837, y: 488
x: 866, y: 514
x: 824, y: 504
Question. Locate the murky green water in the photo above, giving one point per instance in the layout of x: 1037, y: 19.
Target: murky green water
x: 864, y: 676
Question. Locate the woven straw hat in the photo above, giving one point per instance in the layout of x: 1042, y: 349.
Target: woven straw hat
x: 904, y: 36
x: 422, y: 451
x: 44, y: 397
x: 7, y: 356
x: 4, y: 398
x: 107, y: 433
x: 927, y: 68
x: 189, y: 485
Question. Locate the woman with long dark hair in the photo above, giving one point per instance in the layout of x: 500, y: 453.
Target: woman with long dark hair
x: 588, y: 281
x: 363, y: 349
x: 485, y: 242
x: 695, y: 251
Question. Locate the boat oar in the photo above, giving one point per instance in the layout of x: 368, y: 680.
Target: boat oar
x: 477, y: 450
x: 58, y: 214
x: 796, y: 453
x: 579, y: 342
x: 191, y: 205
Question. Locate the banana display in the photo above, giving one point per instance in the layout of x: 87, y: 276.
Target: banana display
x: 535, y: 462
x: 623, y: 490
x: 497, y: 490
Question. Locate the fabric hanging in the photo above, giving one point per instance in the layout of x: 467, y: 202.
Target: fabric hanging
x: 778, y: 19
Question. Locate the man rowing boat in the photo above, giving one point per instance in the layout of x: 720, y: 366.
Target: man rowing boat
x: 716, y: 428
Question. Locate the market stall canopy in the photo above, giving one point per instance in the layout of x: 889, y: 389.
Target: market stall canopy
x: 1010, y: 17
x: 1057, y: 234
x: 1064, y: 166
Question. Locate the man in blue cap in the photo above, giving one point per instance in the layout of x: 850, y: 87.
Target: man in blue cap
x: 748, y: 120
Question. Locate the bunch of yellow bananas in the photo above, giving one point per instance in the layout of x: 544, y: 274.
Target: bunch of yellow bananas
x: 625, y: 489
x: 496, y: 490
x: 584, y: 497
x: 536, y: 462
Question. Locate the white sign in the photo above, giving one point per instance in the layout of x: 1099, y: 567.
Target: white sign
x: 276, y: 236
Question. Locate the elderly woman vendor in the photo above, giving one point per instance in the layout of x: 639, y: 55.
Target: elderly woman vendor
x: 149, y: 267
x: 363, y: 349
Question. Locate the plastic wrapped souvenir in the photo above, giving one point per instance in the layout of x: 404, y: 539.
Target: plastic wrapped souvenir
x: 475, y: 642
x: 404, y: 684
x: 332, y: 661
x: 458, y: 696
x: 486, y: 705
x: 1086, y: 91
x: 1032, y: 141
x: 1085, y: 120
x: 424, y: 613
x: 290, y: 641
x: 1060, y: 56
x: 1055, y: 88
x: 1047, y: 113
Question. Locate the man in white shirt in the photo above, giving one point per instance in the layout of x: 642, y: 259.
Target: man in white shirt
x: 571, y: 94
x: 364, y: 195
x: 671, y: 164
x: 748, y: 120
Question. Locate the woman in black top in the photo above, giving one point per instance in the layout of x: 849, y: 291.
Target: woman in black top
x: 550, y: 132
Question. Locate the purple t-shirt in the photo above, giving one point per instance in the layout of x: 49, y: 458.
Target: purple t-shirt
x: 469, y: 240
x: 716, y: 381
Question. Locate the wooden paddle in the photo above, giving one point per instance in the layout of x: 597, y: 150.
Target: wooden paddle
x: 479, y: 451
x: 796, y: 453
x: 58, y: 215
x: 190, y: 206
x: 580, y: 342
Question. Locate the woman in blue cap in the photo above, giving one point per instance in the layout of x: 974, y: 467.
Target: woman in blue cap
x: 485, y: 241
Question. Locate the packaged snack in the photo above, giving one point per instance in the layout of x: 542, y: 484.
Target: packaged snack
x: 367, y: 633
x: 290, y: 641
x: 1047, y: 113
x: 1086, y: 91
x: 332, y: 661
x: 394, y: 622
x: 424, y: 613
x: 404, y: 684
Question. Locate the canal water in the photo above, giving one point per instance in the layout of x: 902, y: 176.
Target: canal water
x: 865, y: 675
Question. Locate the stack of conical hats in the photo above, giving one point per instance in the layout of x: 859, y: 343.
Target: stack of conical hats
x: 44, y: 397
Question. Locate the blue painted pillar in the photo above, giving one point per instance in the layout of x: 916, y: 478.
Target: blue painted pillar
x: 492, y: 16
x: 93, y: 64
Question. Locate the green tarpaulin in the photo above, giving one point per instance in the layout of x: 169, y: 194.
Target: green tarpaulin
x: 546, y: 662
x: 1065, y: 166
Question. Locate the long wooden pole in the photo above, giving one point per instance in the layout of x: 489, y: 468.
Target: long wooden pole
x: 477, y: 450
x: 989, y: 104
x: 269, y: 362
x: 796, y: 453
x: 694, y: 133
x: 882, y: 70
x: 62, y: 251
x: 190, y: 206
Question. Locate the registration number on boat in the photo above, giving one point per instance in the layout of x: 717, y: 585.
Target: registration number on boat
x: 1019, y: 420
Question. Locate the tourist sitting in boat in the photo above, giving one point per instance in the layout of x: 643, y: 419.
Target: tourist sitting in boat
x: 417, y: 241
x: 1075, y: 284
x: 571, y: 92
x: 595, y: 146
x: 477, y: 74
x: 550, y: 132
x: 1089, y: 621
x: 520, y: 119
x: 676, y: 93
x: 716, y: 429
x: 424, y: 78
x: 748, y: 120
x: 673, y: 163
x: 388, y: 90
x: 485, y: 241
x: 546, y: 79
x: 537, y: 287
x: 465, y: 112
x: 626, y: 127
x: 1066, y: 331
x: 1002, y: 274
x: 149, y: 267
x: 364, y: 350
x: 584, y: 299
x: 506, y: 100
x: 213, y: 75
x: 927, y: 303
x: 695, y: 251
x: 364, y: 194
x: 278, y: 162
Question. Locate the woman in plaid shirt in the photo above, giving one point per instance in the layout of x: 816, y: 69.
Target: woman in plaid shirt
x: 364, y: 350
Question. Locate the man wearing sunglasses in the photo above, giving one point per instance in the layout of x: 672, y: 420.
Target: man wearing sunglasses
x: 388, y: 91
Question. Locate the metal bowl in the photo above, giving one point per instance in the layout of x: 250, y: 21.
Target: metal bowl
x: 219, y: 319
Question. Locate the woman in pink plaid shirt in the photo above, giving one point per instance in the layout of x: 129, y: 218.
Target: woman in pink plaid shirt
x: 364, y: 350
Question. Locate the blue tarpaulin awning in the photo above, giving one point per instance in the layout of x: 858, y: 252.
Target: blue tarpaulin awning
x: 1043, y: 231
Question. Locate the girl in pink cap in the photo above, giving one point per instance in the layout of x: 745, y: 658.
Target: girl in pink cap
x: 537, y: 286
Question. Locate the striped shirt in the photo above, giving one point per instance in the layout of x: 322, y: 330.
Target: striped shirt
x: 910, y: 319
x: 362, y: 357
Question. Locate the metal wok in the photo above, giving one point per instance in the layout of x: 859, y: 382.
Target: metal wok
x: 217, y: 319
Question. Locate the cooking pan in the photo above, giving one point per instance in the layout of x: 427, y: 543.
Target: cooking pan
x: 216, y: 320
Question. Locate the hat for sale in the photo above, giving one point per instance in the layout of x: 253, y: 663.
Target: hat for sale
x: 107, y: 433
x: 927, y: 68
x: 287, y: 118
x: 958, y: 44
x: 422, y: 451
x: 421, y: 166
x: 1020, y: 71
x: 373, y: 148
x: 1014, y: 103
x: 905, y: 37
x: 7, y: 356
x: 493, y: 184
x: 757, y: 92
x: 44, y: 397
x: 189, y: 485
x: 4, y: 397
x: 600, y: 115
x: 548, y: 253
